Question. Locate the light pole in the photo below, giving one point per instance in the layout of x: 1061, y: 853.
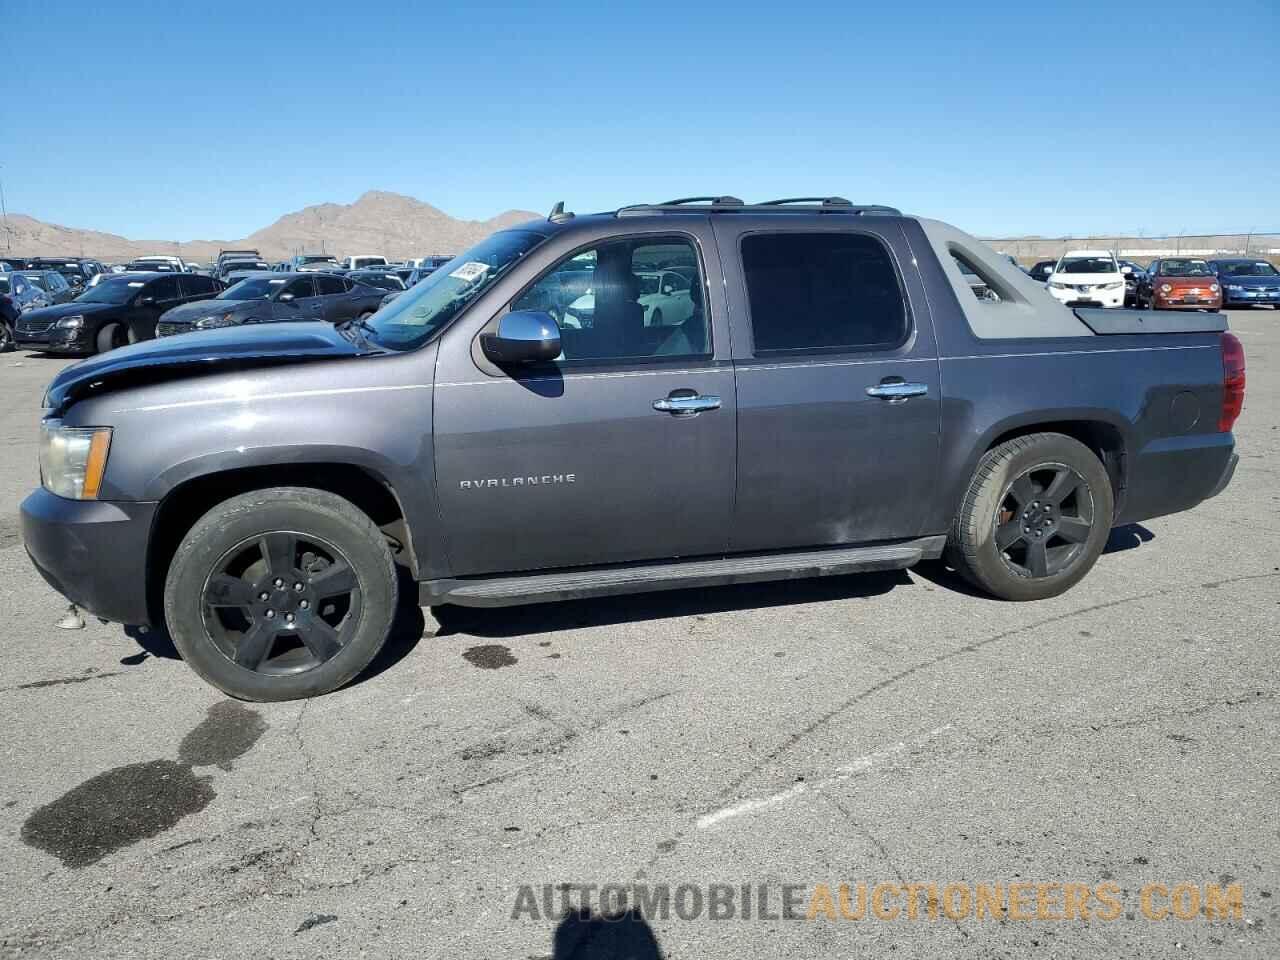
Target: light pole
x: 4, y: 214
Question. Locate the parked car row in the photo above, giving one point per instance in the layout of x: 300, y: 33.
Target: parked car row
x: 1096, y: 278
x: 139, y: 305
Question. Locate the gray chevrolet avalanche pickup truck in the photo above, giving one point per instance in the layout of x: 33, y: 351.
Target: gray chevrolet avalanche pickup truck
x: 671, y: 395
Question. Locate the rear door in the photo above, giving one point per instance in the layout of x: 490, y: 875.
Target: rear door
x: 838, y: 383
x: 159, y: 295
x: 334, y: 297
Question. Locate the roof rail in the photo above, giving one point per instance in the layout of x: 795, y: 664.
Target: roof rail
x: 723, y: 201
x: 785, y: 205
x: 825, y: 201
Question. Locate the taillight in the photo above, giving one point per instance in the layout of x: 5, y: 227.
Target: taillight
x: 1232, y: 382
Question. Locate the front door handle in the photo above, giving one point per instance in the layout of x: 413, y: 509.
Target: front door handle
x: 897, y: 391
x: 678, y: 405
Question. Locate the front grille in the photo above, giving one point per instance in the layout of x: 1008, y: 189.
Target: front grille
x: 169, y: 329
x: 34, y: 326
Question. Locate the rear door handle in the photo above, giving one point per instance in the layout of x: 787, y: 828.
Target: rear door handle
x: 678, y: 405
x: 897, y: 391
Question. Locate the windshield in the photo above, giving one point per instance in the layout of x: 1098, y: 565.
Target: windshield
x: 414, y: 317
x: 1087, y: 265
x: 358, y: 262
x: 1247, y: 268
x: 119, y: 290
x: 38, y: 279
x: 4, y: 284
x: 254, y: 288
x: 317, y: 259
x: 1184, y: 268
x: 232, y: 265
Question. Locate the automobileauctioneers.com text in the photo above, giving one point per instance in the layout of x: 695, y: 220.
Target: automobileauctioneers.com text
x: 887, y: 901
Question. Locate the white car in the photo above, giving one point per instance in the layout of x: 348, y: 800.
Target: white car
x: 664, y: 294
x: 1087, y: 278
x: 364, y: 260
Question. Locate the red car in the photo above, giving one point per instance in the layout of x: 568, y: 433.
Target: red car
x: 1180, y: 283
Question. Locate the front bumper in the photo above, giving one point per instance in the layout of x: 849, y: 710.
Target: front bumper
x: 93, y: 552
x: 59, y: 339
x: 1247, y: 297
x: 1091, y: 298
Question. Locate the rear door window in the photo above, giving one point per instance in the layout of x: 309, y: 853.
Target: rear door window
x: 822, y: 291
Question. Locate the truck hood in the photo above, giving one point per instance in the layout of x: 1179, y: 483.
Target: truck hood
x: 200, y: 353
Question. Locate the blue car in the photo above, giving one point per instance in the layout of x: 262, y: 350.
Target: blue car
x: 1247, y: 281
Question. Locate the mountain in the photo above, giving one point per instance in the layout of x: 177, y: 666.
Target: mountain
x: 387, y: 223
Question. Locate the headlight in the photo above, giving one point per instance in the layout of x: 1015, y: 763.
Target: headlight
x: 73, y: 459
x: 1213, y: 288
x: 1058, y: 286
x: 1165, y: 288
x: 70, y: 323
x: 209, y: 323
x: 1112, y: 286
x: 1235, y: 288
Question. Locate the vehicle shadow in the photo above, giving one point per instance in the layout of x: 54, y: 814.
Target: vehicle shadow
x: 1128, y: 537
x: 407, y: 628
x: 583, y: 935
x: 606, y: 611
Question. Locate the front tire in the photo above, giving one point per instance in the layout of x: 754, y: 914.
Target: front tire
x: 1035, y: 518
x: 281, y: 594
x: 112, y: 335
x: 6, y: 337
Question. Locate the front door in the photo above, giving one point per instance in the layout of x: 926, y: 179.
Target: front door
x: 838, y: 386
x: 620, y: 450
x: 297, y: 301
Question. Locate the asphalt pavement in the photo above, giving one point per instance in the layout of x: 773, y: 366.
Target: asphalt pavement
x: 884, y: 730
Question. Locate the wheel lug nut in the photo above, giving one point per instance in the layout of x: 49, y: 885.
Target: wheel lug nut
x: 297, y: 587
x: 1036, y: 503
x: 270, y: 614
x: 288, y: 618
x: 279, y: 582
x: 305, y: 604
x: 264, y: 595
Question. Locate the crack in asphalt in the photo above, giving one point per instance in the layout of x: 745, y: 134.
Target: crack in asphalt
x: 735, y: 785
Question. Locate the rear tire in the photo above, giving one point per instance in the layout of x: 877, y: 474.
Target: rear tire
x: 1035, y: 518
x: 6, y: 337
x: 329, y: 584
x: 110, y: 337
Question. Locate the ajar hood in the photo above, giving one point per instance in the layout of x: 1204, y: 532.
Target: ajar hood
x: 199, y: 353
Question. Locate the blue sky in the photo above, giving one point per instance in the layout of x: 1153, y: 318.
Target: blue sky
x: 174, y: 121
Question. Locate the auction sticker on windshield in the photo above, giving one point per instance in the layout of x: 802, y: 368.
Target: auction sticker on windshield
x: 471, y: 271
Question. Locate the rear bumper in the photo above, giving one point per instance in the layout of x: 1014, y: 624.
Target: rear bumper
x: 1177, y: 473
x: 92, y: 552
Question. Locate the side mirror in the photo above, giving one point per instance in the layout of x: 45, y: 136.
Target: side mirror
x: 286, y: 297
x: 524, y: 336
x: 1126, y: 269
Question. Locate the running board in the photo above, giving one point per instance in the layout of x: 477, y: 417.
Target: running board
x: 503, y: 591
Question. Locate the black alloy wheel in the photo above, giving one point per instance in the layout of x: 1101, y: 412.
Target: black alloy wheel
x: 282, y: 603
x: 1044, y: 520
